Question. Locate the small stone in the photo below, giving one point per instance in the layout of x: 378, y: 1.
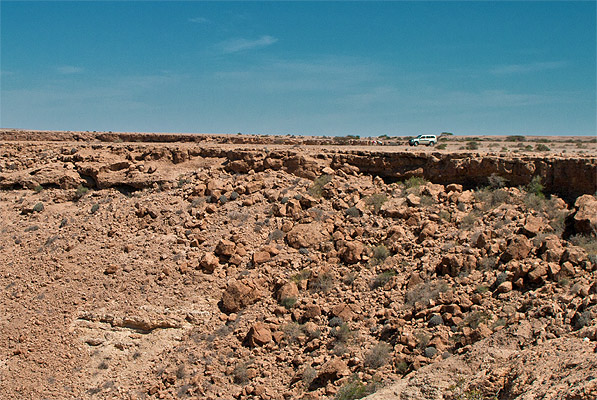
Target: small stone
x: 430, y: 352
x: 435, y: 320
x: 504, y: 287
x: 260, y: 257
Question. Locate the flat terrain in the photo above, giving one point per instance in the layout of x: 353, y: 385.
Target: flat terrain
x: 142, y: 266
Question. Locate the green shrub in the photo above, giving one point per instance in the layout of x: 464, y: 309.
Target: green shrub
x: 81, y: 191
x: 354, y: 389
x: 536, y: 187
x: 380, y: 253
x: 474, y: 319
x: 288, y: 302
x: 39, y: 207
x: 38, y: 188
x: 353, y: 212
x: 240, y: 374
x: 414, y: 182
x: 425, y: 291
x: 301, y: 276
x: 341, y: 333
x: 496, y: 182
x: 441, y: 146
x: 472, y: 145
x: 515, y: 138
x: 316, y: 189
x: 321, y: 283
x: 542, y: 147
x: 375, y: 201
x: 378, y: 355
x: 588, y: 243
x: 383, y: 278
x: 94, y: 208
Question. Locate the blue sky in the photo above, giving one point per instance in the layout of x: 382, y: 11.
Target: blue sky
x: 313, y: 68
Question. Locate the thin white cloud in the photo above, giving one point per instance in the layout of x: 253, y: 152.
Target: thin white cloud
x: 509, y: 69
x: 327, y: 74
x: 242, y: 44
x: 199, y: 20
x: 69, y: 70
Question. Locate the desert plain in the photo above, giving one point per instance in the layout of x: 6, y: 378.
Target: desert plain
x: 181, y: 266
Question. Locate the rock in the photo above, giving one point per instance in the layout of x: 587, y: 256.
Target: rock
x: 551, y: 249
x: 311, y: 311
x: 259, y: 335
x: 454, y: 264
x: 351, y: 251
x: 239, y: 166
x: 428, y: 231
x: 430, y: 352
x: 331, y: 371
x: 111, y: 269
x: 394, y: 208
x: 306, y: 235
x: 288, y: 291
x: 238, y: 295
x: 504, y: 287
x: 533, y: 225
x: 518, y: 248
x: 538, y: 274
x: 574, y: 255
x: 413, y: 200
x: 225, y: 248
x: 343, y: 311
x: 454, y: 187
x: 585, y: 217
x: 209, y: 262
x: 260, y: 257
x: 435, y: 320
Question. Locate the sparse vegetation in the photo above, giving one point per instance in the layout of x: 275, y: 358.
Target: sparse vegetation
x: 316, y: 189
x: 380, y: 253
x: 415, y: 182
x: 355, y: 389
x: 375, y: 201
x: 322, y: 282
x: 472, y: 145
x: 383, y: 278
x: 81, y: 191
x: 378, y: 356
x: 288, y: 302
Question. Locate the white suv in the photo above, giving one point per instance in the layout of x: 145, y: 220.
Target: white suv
x: 429, y: 140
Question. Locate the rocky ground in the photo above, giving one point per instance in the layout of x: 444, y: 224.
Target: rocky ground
x: 182, y: 270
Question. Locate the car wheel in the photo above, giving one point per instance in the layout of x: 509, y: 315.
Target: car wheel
x: 415, y: 143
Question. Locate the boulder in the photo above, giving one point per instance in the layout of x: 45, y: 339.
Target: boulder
x: 331, y: 371
x: 533, y: 226
x: 225, y: 248
x: 518, y: 248
x: 260, y: 257
x: 209, y: 262
x: 585, y: 217
x: 239, y: 294
x: 259, y: 335
x: 287, y: 291
x: 351, y: 251
x: 306, y: 235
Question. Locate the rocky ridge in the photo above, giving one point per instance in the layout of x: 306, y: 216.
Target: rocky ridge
x: 167, y: 271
